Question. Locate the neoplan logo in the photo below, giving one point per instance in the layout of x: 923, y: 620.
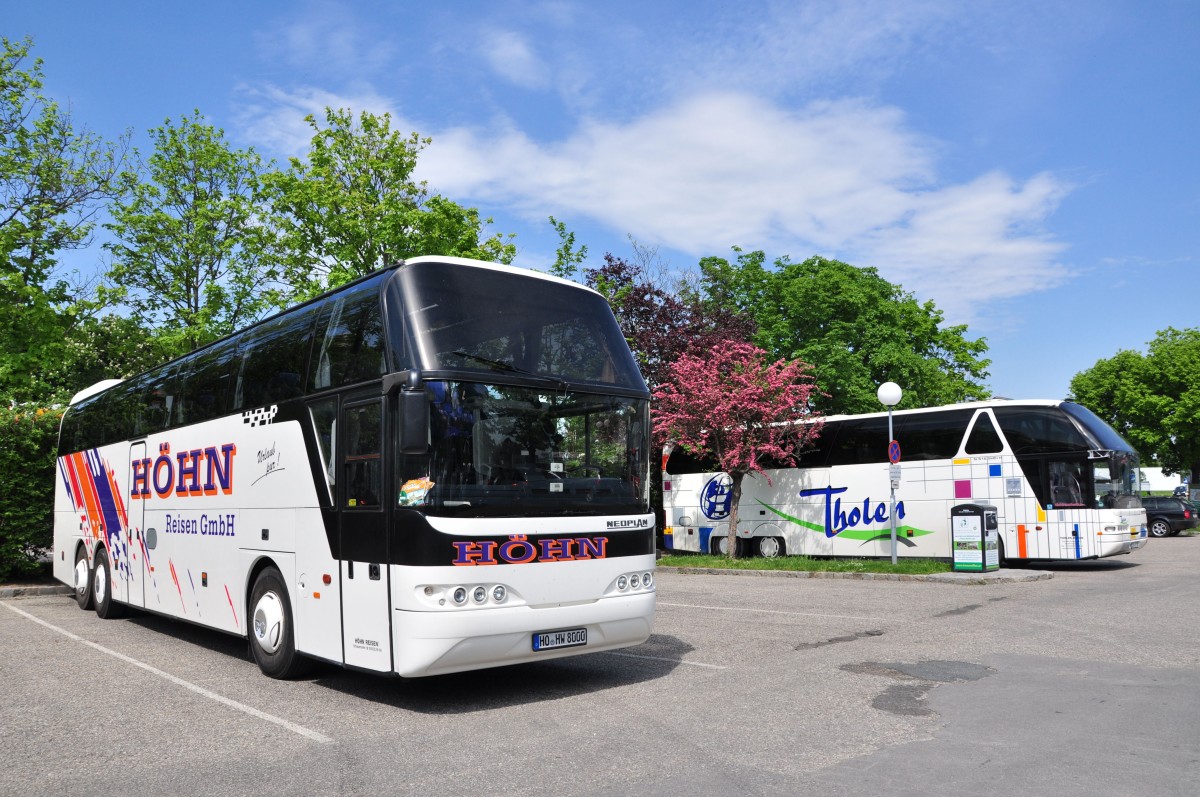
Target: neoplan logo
x: 640, y: 523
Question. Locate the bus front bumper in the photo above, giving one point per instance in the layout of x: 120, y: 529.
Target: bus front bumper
x: 434, y: 643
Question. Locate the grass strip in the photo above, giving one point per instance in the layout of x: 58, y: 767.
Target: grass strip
x: 838, y: 565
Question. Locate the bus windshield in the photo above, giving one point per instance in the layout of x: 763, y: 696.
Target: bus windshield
x: 508, y: 451
x: 487, y: 320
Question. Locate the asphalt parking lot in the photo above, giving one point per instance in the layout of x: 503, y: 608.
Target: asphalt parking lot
x: 1084, y: 683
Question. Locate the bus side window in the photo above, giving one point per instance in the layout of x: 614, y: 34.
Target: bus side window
x: 323, y: 414
x: 207, y: 382
x: 274, y: 357
x: 349, y: 341
x: 363, y: 462
x: 984, y: 439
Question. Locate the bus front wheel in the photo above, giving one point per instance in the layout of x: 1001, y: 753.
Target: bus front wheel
x: 720, y: 546
x: 272, y: 639
x: 102, y: 589
x: 83, y: 580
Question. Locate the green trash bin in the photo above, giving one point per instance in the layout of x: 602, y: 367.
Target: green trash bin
x: 974, y: 544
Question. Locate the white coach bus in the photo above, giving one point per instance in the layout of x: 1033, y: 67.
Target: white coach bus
x: 442, y: 466
x: 1064, y: 485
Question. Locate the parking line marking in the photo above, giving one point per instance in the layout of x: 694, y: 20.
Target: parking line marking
x: 776, y: 611
x: 262, y: 715
x: 663, y: 658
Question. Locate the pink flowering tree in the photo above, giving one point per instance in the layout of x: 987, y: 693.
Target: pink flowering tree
x: 733, y: 406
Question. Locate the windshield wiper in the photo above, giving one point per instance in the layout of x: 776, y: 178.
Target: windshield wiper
x: 510, y: 368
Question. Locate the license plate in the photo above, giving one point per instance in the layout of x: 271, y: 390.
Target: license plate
x: 551, y: 640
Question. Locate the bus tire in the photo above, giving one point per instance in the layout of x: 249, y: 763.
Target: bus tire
x: 720, y: 546
x: 769, y: 547
x: 102, y: 589
x: 271, y: 632
x: 83, y: 580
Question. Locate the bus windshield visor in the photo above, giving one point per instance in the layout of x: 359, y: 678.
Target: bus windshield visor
x: 464, y: 318
x: 505, y: 451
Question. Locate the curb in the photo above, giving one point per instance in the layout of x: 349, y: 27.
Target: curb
x: 995, y: 577
x: 29, y: 592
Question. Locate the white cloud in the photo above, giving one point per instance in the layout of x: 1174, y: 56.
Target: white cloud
x: 274, y: 119
x: 326, y: 37
x: 510, y: 56
x: 844, y: 179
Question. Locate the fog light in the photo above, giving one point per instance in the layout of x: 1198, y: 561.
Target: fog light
x: 622, y: 583
x: 460, y: 596
x: 499, y: 594
x: 634, y: 581
x: 647, y: 580
x: 480, y: 594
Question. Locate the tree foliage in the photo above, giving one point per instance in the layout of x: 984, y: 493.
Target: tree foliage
x: 193, y: 257
x: 661, y: 326
x: 856, y: 328
x: 730, y: 403
x: 28, y: 436
x: 567, y: 259
x: 54, y: 178
x: 352, y: 206
x: 1152, y: 399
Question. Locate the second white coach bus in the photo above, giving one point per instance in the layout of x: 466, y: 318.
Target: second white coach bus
x: 442, y: 466
x: 1064, y: 486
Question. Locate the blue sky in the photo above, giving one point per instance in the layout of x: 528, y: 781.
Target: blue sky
x: 1031, y: 167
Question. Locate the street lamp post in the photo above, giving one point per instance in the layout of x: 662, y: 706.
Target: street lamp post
x: 889, y: 394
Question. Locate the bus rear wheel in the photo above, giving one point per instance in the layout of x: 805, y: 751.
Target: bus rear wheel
x: 83, y: 580
x: 102, y: 589
x: 272, y: 638
x: 769, y: 547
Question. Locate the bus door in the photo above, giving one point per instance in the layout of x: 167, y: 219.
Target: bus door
x: 134, y: 538
x: 362, y: 526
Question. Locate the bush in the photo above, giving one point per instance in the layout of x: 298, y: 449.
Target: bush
x: 28, y: 439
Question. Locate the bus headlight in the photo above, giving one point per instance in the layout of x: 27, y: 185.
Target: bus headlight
x: 460, y: 596
x: 480, y: 594
x: 635, y: 581
x: 647, y: 580
x: 499, y: 593
x: 622, y: 583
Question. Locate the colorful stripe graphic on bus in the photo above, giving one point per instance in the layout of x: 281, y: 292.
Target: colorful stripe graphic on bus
x: 92, y: 487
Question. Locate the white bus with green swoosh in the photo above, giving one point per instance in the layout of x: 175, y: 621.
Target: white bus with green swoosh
x: 1064, y: 485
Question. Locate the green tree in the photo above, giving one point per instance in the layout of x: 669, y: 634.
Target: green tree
x: 28, y: 436
x: 1152, y: 399
x: 567, y: 259
x: 352, y: 206
x: 194, y: 257
x: 856, y: 328
x: 731, y: 404
x: 54, y: 178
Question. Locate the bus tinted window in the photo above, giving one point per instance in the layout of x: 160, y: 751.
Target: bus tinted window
x: 859, y: 441
x: 152, y: 399
x: 207, y: 383
x: 984, y: 439
x: 349, y: 345
x: 364, y: 464
x: 479, y: 319
x: 932, y: 435
x: 681, y: 462
x: 274, y: 357
x: 1039, y: 430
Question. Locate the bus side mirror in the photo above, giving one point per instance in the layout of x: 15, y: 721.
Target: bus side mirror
x: 414, y: 416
